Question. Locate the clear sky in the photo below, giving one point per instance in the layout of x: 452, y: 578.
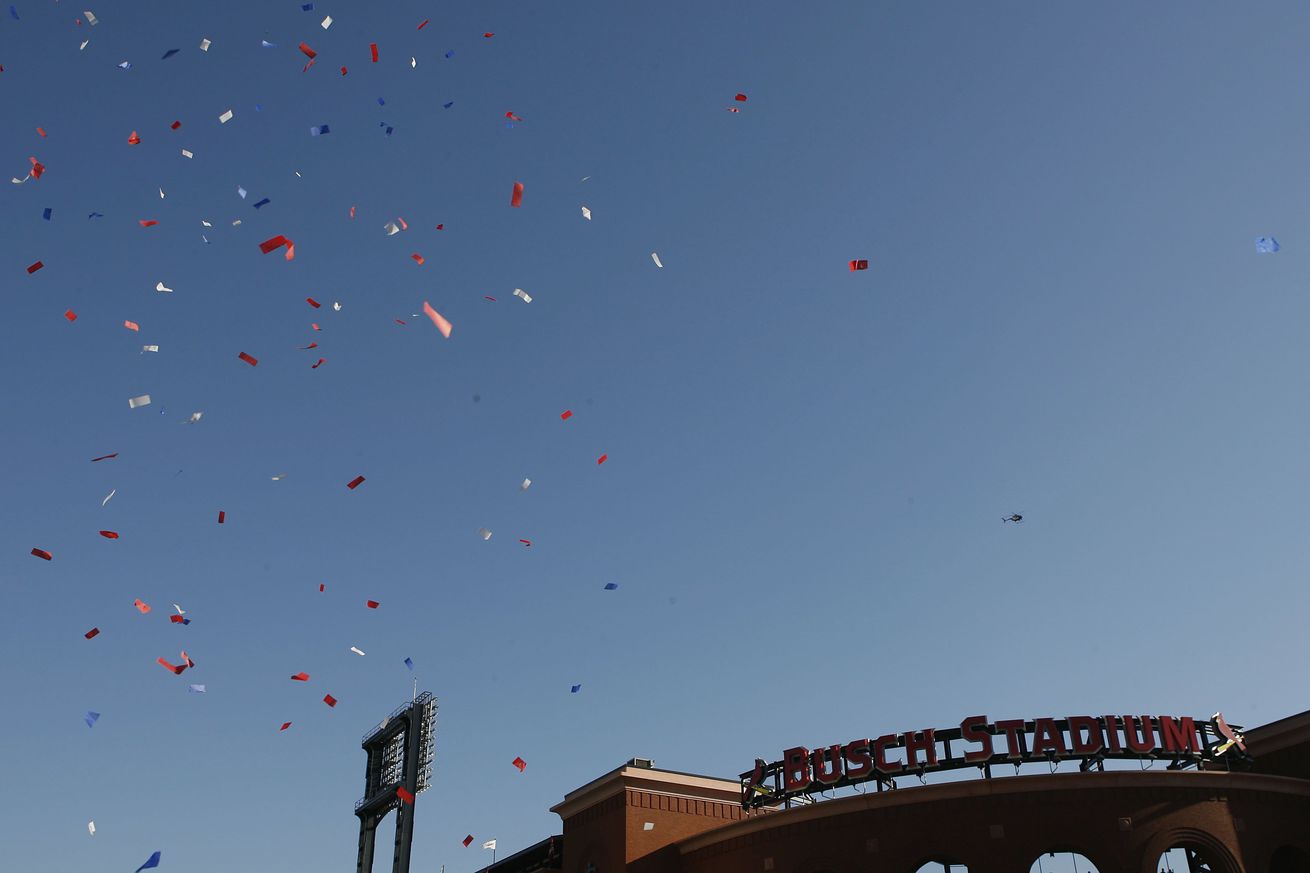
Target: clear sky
x: 1064, y: 316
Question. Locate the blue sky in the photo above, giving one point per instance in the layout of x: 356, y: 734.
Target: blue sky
x: 1064, y: 316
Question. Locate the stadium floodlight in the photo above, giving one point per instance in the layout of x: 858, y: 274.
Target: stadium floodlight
x: 400, y: 752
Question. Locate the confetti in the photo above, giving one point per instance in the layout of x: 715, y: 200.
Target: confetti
x: 46, y: 213
x: 326, y: 22
x: 422, y: 24
x: 487, y: 35
x: 482, y: 532
x: 91, y: 828
x: 372, y: 604
x: 403, y: 794
x: 861, y: 264
x: 187, y: 154
x: 520, y: 764
x: 320, y: 362
x: 195, y: 689
x: 355, y: 483
x: 566, y: 415
x: 656, y: 258
x: 152, y: 861
x: 741, y: 98
x: 274, y: 243
x: 90, y: 19
x: 222, y: 516
x: 141, y: 606
x: 252, y: 361
x: 150, y: 348
x: 516, y: 198
x: 168, y: 54
x: 526, y: 483
x: 262, y: 203
x: 312, y: 302
x: 602, y: 459
x: 108, y: 497
x: 356, y: 651
x: 418, y: 258
x: 225, y: 117
x: 70, y: 315
x: 575, y: 689
x: 175, y: 125
x: 409, y: 663
x: 611, y: 586
x: 285, y: 725
x: 1267, y: 245
x: 648, y: 826
x: 43, y: 554
x: 442, y: 325
x: 468, y: 840
x: 92, y: 634
x: 134, y: 139
x: 205, y: 44
x: 91, y: 718
x: 319, y: 130
x: 147, y: 222
x: 195, y: 416
x: 527, y: 543
x: 36, y: 266
x: 586, y: 213
x: 301, y: 677
x: 105, y: 457
x: 373, y: 49
x: 109, y: 534
x: 329, y: 700
x: 519, y: 292
x: 307, y: 51
x: 134, y: 402
x: 162, y: 288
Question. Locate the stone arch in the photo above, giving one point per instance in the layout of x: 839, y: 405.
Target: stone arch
x: 1082, y: 863
x: 1288, y: 858
x: 1213, y: 852
x: 940, y: 863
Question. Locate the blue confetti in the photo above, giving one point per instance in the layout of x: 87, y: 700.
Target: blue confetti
x: 611, y: 586
x: 381, y: 102
x: 46, y: 214
x: 168, y: 54
x: 95, y: 215
x: 319, y: 130
x: 91, y: 718
x: 387, y: 126
x: 306, y: 7
x: 575, y: 689
x: 409, y: 662
x: 448, y: 105
x: 450, y: 54
x: 152, y: 861
x: 14, y: 13
x: 263, y: 202
x: 1267, y: 245
x: 259, y: 107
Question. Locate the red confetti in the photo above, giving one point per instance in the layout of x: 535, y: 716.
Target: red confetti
x: 418, y: 258
x: 441, y: 227
x: 485, y: 297
x: 149, y: 222
x: 602, y: 459
x: 315, y: 326
x: 352, y: 212
x: 859, y: 265
x: 131, y: 325
x: 276, y: 242
x: 469, y: 838
x: 109, y: 534
x: 321, y: 362
x: 248, y: 359
x: 512, y: 117
x: 566, y: 415
x: 308, y: 347
x: 373, y: 48
x: 423, y: 24
x: 105, y: 457
x: 355, y: 483
x: 43, y: 554
x: 134, y: 139
x: 312, y: 302
x: 321, y: 587
x: 164, y: 663
x: 438, y: 319
x: 487, y: 35
x: 372, y: 604
x: 301, y: 677
x: 329, y: 700
x: 308, y: 52
x: 70, y: 315
x: 37, y: 168
x: 520, y: 763
x: 41, y: 130
x: 527, y: 543
x: 285, y: 725
x: 403, y: 794
x: 32, y: 269
x: 343, y: 71
x: 177, y: 619
x: 221, y: 516
x: 733, y: 109
x: 398, y: 321
x: 516, y: 199
x: 175, y: 125
x: 403, y: 225
x: 141, y: 606
x: 94, y: 632
x: 741, y: 98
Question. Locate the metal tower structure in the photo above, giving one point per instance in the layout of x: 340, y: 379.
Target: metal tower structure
x: 399, y: 768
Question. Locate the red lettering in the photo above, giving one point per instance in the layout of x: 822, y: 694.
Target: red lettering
x: 796, y: 769
x: 1147, y: 740
x: 1094, y: 742
x: 859, y: 763
x: 1179, y: 735
x: 880, y: 761
x: 1013, y: 737
x: 921, y: 741
x: 1047, y: 737
x: 829, y: 772
x: 974, y: 730
x: 1112, y: 733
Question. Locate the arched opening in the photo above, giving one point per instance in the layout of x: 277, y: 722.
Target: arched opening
x: 1189, y: 858
x: 942, y: 866
x: 1062, y: 862
x: 1289, y: 859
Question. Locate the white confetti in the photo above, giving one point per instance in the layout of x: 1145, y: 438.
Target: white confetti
x: 161, y: 193
x: 149, y: 349
x: 326, y: 22
x: 237, y: 222
x: 356, y: 651
x: 391, y: 228
x: 225, y: 117
x: 195, y: 416
x: 484, y: 533
x: 519, y: 292
x: 134, y: 402
x: 84, y: 44
x: 205, y: 44
x: 242, y: 192
x: 90, y: 18
x: 279, y: 477
x: 656, y: 258
x: 91, y: 828
x: 161, y: 287
x: 180, y: 610
x: 205, y: 223
x: 336, y: 307
x: 648, y: 826
x: 187, y: 154
x: 413, y: 63
x: 526, y: 483
x: 586, y: 213
x: 108, y: 498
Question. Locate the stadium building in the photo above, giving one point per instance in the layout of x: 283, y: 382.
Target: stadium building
x: 1179, y: 795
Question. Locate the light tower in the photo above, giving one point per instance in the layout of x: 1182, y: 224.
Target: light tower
x: 399, y: 768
